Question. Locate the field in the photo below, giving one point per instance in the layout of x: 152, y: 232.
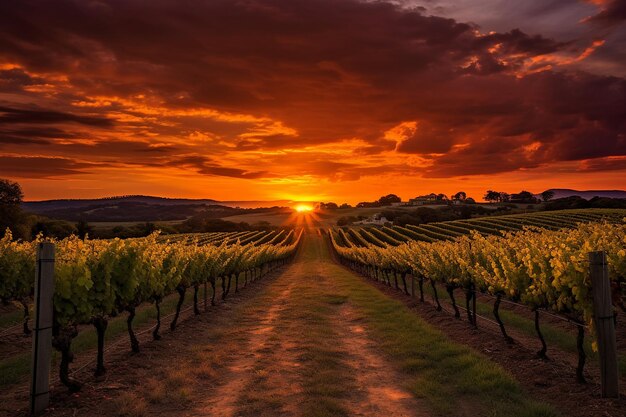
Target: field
x: 297, y: 329
x: 450, y: 230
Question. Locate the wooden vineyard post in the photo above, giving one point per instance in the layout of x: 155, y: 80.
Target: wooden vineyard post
x: 605, y: 327
x: 474, y: 305
x: 42, y: 333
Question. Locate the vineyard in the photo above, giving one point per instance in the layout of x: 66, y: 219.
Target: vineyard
x: 544, y: 266
x: 96, y: 280
x: 317, y: 325
x: 493, y: 225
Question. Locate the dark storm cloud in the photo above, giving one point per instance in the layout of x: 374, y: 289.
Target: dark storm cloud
x: 426, y: 140
x: 30, y: 116
x: 15, y: 79
x: 207, y: 166
x: 42, y: 167
x: 604, y: 164
x: 613, y: 12
x: 311, y: 72
x: 32, y: 135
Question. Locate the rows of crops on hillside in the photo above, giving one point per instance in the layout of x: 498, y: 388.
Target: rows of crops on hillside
x: 492, y: 225
x: 229, y: 238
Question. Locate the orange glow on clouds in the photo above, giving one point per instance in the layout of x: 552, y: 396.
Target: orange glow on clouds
x: 247, y: 103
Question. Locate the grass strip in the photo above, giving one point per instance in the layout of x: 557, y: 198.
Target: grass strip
x: 445, y: 375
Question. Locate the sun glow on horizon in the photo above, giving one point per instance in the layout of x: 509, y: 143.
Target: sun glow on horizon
x: 303, y: 208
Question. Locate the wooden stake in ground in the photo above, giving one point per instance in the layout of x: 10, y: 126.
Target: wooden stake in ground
x: 605, y: 327
x: 42, y: 337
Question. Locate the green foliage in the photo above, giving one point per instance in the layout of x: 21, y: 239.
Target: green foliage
x: 542, y: 270
x: 99, y: 278
x: 17, y: 268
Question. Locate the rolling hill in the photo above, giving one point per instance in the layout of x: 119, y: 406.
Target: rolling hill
x: 587, y: 194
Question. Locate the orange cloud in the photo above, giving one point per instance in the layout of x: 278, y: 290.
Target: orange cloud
x: 294, y: 97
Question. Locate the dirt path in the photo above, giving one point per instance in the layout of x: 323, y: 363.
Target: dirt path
x: 380, y: 393
x: 225, y: 400
x: 270, y: 376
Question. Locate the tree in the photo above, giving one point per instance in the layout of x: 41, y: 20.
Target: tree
x: 505, y: 197
x: 345, y: 206
x: 83, y: 229
x: 492, y: 196
x: 59, y: 229
x: 389, y: 199
x: 523, y: 197
x: 364, y: 204
x: 147, y: 228
x: 11, y: 215
x: 547, y: 195
x: 10, y: 193
x: 461, y: 195
x: 442, y: 197
x: 328, y: 206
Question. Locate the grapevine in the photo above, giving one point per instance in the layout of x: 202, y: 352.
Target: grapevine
x: 539, y: 268
x: 99, y: 279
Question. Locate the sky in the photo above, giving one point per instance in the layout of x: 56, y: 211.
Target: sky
x: 320, y: 100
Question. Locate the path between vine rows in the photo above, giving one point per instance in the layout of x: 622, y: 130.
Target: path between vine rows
x: 273, y: 351
x: 255, y: 355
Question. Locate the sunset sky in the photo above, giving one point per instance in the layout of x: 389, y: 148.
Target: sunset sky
x: 334, y: 100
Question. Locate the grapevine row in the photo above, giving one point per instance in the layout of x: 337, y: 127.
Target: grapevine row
x: 491, y: 225
x: 99, y: 279
x: 547, y: 270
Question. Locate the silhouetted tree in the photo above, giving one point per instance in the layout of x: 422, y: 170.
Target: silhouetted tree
x: 524, y: 197
x: 492, y: 196
x: 59, y: 229
x: 83, y: 229
x: 389, y: 199
x: 461, y: 195
x: 363, y: 204
x: 148, y: 228
x: 10, y: 193
x: 547, y: 195
x: 11, y: 215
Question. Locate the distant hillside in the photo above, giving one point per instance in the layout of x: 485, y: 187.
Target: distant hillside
x: 587, y: 195
x: 47, y: 205
x: 143, y: 208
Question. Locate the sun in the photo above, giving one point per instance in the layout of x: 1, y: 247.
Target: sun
x: 303, y: 208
